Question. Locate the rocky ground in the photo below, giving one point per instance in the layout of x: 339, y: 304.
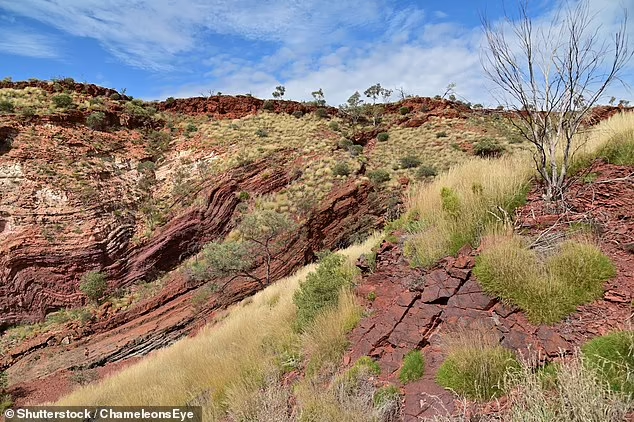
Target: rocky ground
x: 414, y: 308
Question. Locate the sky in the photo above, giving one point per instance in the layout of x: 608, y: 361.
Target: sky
x: 155, y: 49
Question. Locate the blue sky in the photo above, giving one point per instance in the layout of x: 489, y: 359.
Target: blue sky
x: 182, y: 48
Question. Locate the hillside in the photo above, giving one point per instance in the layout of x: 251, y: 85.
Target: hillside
x: 94, y: 181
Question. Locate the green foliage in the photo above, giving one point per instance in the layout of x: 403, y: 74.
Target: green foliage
x: 191, y: 128
x: 488, y: 148
x: 222, y: 260
x: 158, y: 143
x: 341, y: 169
x: 6, y: 106
x: 63, y: 101
x: 321, y: 112
x: 477, y: 373
x: 244, y: 196
x: 441, y: 134
x: 386, y: 395
x: 262, y: 133
x: 364, y: 364
x: 320, y: 291
x: 115, y: 97
x: 170, y: 100
x: 612, y: 357
x: 620, y: 149
x: 372, y: 296
x: 404, y: 110
x: 383, y: 137
x: 298, y: 114
x: 355, y: 150
x: 138, y: 109
x: 410, y: 162
x: 547, y: 291
x: 413, y: 367
x: 450, y: 202
x: 268, y: 105
x: 334, y: 126
x: 94, y: 285
x: 96, y: 120
x: 379, y: 176
x: 425, y: 171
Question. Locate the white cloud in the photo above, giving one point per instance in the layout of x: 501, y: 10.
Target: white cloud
x: 150, y: 33
x: 18, y: 42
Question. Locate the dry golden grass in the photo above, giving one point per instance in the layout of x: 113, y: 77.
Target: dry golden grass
x: 232, y: 359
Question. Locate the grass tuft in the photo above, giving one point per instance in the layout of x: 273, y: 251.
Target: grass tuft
x: 413, y: 367
x: 612, y: 357
x: 548, y: 289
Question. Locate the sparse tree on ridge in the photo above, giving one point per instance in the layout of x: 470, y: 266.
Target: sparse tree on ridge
x: 552, y: 76
x: 320, y: 99
x: 353, y: 108
x: 374, y: 92
x: 279, y: 92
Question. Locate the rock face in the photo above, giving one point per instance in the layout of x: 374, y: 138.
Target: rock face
x: 413, y: 309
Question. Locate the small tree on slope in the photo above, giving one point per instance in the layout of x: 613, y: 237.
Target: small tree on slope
x: 552, y: 75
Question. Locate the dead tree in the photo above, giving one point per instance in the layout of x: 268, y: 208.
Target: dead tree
x: 552, y: 75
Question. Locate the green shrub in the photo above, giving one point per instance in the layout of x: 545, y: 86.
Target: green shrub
x: 96, y: 120
x: 410, y: 162
x: 385, y: 395
x: 334, y: 126
x: 383, y: 137
x: 379, y: 176
x: 413, y: 367
x: 404, y: 110
x: 547, y: 291
x: 268, y: 105
x: 450, y: 202
x: 244, y: 196
x: 441, y: 134
x: 94, y: 285
x: 364, y: 366
x: 262, y: 133
x: 620, y: 149
x: 6, y: 106
x: 191, y: 128
x: 322, y: 113
x: 345, y: 143
x: 477, y: 373
x: 426, y: 171
x: 170, y: 100
x: 298, y: 114
x: 355, y: 150
x: 63, y: 101
x: 115, y: 96
x: 320, y: 291
x: 341, y: 169
x: 488, y: 148
x: 612, y: 357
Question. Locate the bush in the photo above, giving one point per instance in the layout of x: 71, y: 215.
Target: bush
x: 410, y: 162
x: 426, y: 171
x: 379, y: 176
x: 404, y: 110
x: 355, y: 150
x: 383, y: 137
x: 322, y: 113
x: 191, y: 128
x: 96, y: 120
x: 413, y: 367
x: 488, y: 148
x: 341, y: 169
x: 244, y: 196
x: 334, y: 126
x: 477, y: 372
x: 298, y: 114
x: 94, y: 285
x: 63, y: 101
x: 262, y: 133
x: 6, y: 106
x: 170, y: 100
x: 612, y: 358
x: 441, y: 134
x: 320, y: 291
x: 345, y: 143
x: 547, y: 291
x: 619, y: 150
x: 115, y: 96
x: 268, y: 105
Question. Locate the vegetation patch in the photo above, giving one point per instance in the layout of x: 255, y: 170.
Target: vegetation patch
x: 476, y: 367
x: 321, y: 289
x: 612, y: 358
x: 619, y: 149
x: 459, y: 206
x: 413, y: 367
x: 547, y: 289
x: 94, y: 285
